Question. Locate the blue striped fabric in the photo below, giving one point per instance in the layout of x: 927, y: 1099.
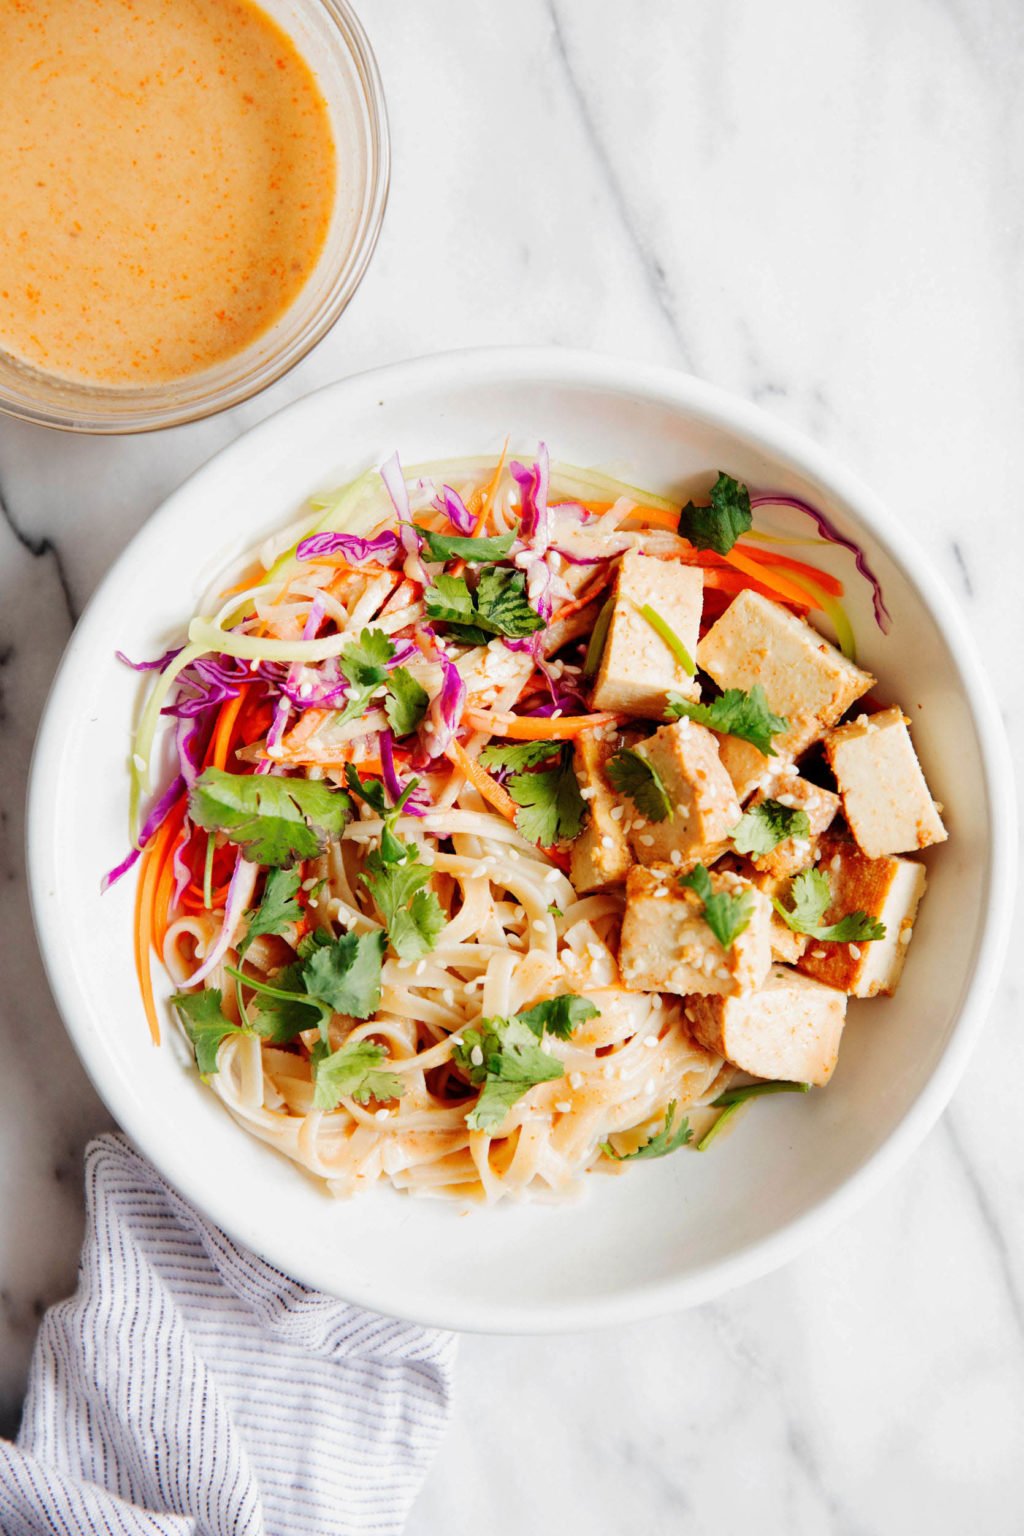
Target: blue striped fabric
x: 189, y: 1389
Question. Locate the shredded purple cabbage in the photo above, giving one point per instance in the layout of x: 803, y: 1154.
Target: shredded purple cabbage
x: 459, y: 515
x: 449, y: 706
x: 829, y: 531
x: 533, y: 483
x: 574, y: 559
x: 394, y: 481
x: 151, y: 666
x: 416, y: 805
x: 149, y: 826
x: 383, y: 548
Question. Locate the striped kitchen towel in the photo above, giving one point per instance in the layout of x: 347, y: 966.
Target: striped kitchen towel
x: 189, y: 1389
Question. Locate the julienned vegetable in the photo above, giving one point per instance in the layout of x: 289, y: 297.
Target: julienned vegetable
x: 435, y: 917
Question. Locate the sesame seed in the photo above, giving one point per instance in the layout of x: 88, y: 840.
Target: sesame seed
x: 646, y: 839
x: 513, y: 854
x: 586, y: 793
x: 539, y: 925
x: 639, y: 821
x: 255, y: 664
x: 650, y: 1042
x: 616, y: 811
x: 905, y: 935
x: 607, y: 842
x: 519, y: 913
x: 659, y: 891
x: 139, y: 761
x: 818, y: 954
x: 552, y: 876
x: 855, y: 951
x: 595, y: 951
x: 421, y: 966
x: 307, y: 885
x: 476, y: 1056
x: 835, y: 864
x: 382, y: 1114
x: 449, y: 996
x: 789, y: 801
x: 676, y: 857
x: 722, y: 973
x: 564, y: 1106
x: 575, y: 1079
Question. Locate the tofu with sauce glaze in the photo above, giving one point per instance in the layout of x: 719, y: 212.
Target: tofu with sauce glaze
x: 805, y: 680
x: 638, y: 670
x: 600, y: 854
x: 704, y: 804
x: 798, y: 794
x: 886, y: 801
x: 667, y: 946
x: 889, y: 889
x: 789, y: 1030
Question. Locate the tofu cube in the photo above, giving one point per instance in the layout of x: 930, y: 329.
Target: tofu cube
x: 789, y: 1030
x: 887, y: 888
x: 638, y: 670
x: 805, y: 679
x: 820, y: 807
x: 885, y: 798
x: 600, y: 854
x: 704, y: 804
x: 668, y: 947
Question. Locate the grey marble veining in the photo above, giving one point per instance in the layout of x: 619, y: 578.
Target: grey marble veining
x: 819, y: 207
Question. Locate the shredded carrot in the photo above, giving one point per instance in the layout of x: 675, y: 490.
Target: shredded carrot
x: 312, y: 720
x: 826, y: 582
x: 585, y: 597
x: 771, y: 579
x: 488, y: 788
x: 220, y: 741
x: 164, y: 892
x: 241, y: 586
x: 488, y: 496
x: 535, y: 727
x: 152, y: 860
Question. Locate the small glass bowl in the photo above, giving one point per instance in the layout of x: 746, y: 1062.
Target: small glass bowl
x: 330, y: 37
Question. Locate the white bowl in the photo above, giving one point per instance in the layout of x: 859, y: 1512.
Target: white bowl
x: 667, y: 1234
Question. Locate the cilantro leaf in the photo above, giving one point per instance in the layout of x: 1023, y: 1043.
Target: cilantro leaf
x: 735, y: 713
x: 364, y: 664
x: 509, y: 1062
x: 766, y: 825
x: 558, y: 1015
x: 283, y: 1008
x: 812, y: 896
x: 442, y: 546
x: 726, y: 914
x: 412, y: 914
x: 499, y: 606
x: 660, y: 1144
x: 633, y: 775
x: 352, y: 1072
x: 205, y: 1025
x: 550, y: 804
x: 277, y: 909
x: 502, y: 602
x: 345, y: 974
x: 370, y: 790
x: 406, y: 703
x: 520, y: 754
x: 273, y: 820
x: 720, y: 524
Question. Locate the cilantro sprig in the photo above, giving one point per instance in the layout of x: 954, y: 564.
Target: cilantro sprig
x: 550, y: 804
x: 395, y: 877
x: 406, y: 703
x: 519, y: 755
x: 766, y: 825
x: 633, y: 775
x: 726, y: 913
x: 505, y: 1059
x: 205, y: 1025
x: 660, y: 1144
x: 444, y: 546
x: 498, y: 606
x: 273, y: 820
x: 278, y: 909
x: 735, y: 712
x: 341, y: 975
x: 718, y: 525
x: 365, y: 665
x: 352, y: 1072
x: 811, y: 893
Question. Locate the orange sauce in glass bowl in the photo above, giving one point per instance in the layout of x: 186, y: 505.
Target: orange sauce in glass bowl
x: 167, y: 181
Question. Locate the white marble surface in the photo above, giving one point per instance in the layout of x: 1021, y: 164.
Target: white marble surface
x: 816, y: 205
